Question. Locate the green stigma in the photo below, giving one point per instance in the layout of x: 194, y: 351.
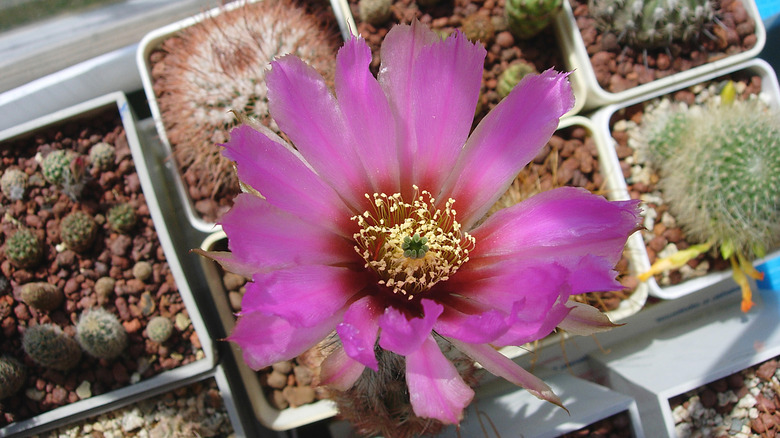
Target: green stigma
x: 415, y: 247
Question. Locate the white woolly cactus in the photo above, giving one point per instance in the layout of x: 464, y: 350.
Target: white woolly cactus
x: 720, y: 175
x: 217, y: 67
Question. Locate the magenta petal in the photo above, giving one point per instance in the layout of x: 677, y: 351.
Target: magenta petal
x: 340, y: 371
x: 367, y: 115
x: 404, y: 336
x: 303, y: 295
x: 266, y: 339
x: 436, y: 390
x: 567, y: 221
x: 359, y: 330
x: 477, y: 328
x: 305, y: 110
x: 505, y: 141
x: 522, y: 332
x: 268, y: 165
x: 270, y: 238
x: 502, y: 366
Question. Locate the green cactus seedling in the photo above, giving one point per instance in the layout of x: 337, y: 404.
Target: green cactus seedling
x: 122, y: 218
x: 102, y: 156
x: 14, y: 184
x: 512, y: 76
x: 100, y: 334
x: 24, y: 249
x: 12, y: 376
x: 42, y: 295
x: 375, y: 12
x: 78, y: 231
x: 55, y: 166
x: 48, y: 346
x: 527, y: 18
x: 159, y: 329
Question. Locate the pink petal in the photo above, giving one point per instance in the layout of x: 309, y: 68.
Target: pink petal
x: 266, y: 339
x: 523, y: 332
x: 585, y: 320
x: 359, y: 330
x: 305, y: 110
x: 367, y: 115
x: 267, y: 164
x: 404, y: 336
x: 559, y: 222
x: 339, y: 371
x: 229, y: 262
x: 505, y: 141
x: 270, y: 238
x: 475, y: 328
x: 436, y: 390
x: 502, y: 366
x: 304, y: 295
x: 437, y: 98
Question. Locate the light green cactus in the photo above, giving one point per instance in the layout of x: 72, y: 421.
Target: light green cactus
x: 100, y: 334
x: 527, y: 18
x: 48, y: 346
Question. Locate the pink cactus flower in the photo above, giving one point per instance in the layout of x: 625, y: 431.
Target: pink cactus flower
x: 373, y: 225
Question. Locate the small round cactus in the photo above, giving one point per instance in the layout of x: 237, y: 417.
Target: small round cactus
x: 652, y: 23
x: 102, y: 156
x: 512, y: 76
x: 478, y: 27
x: 527, y: 18
x: 48, y: 346
x: 78, y: 231
x: 721, y: 177
x: 56, y: 165
x: 375, y: 12
x: 13, y: 184
x: 42, y: 295
x: 159, y: 329
x: 24, y: 249
x: 122, y: 218
x: 12, y: 375
x: 100, y: 334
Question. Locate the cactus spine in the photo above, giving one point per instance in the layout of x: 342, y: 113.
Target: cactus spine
x: 12, y: 375
x: 78, y: 231
x: 48, y: 346
x: 652, y: 23
x: 100, y: 334
x: 527, y: 18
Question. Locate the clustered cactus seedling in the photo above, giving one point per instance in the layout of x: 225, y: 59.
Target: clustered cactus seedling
x: 66, y: 170
x: 12, y: 375
x: 41, y: 295
x: 122, y: 218
x: 78, y: 231
x: 102, y: 156
x: 218, y: 66
x: 100, y: 334
x: 652, y: 23
x: 48, y: 346
x: 159, y: 329
x: 375, y: 12
x: 13, y: 184
x: 527, y: 18
x: 721, y: 180
x: 23, y: 249
x: 512, y: 75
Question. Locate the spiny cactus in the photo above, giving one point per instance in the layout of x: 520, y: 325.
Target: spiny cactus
x: 100, y: 334
x: 652, y: 23
x: 48, y: 346
x: 375, y: 12
x: 122, y: 218
x: 159, y: 329
x: 66, y: 170
x: 218, y: 66
x: 527, y: 18
x: 41, y: 295
x: 478, y: 27
x: 12, y: 375
x: 512, y: 75
x: 102, y: 156
x: 13, y: 184
x: 24, y: 249
x: 78, y: 231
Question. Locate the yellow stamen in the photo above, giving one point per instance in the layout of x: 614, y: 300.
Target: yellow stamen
x: 392, y: 224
